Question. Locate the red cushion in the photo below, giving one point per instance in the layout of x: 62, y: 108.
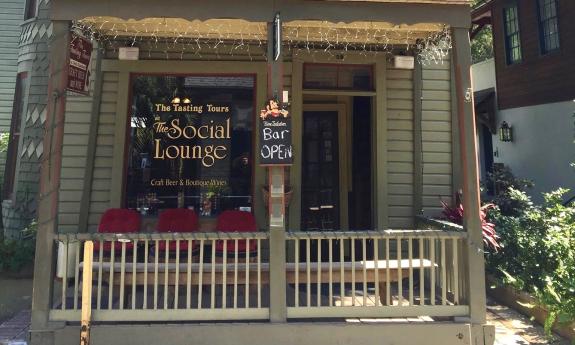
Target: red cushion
x: 177, y: 220
x: 118, y: 221
x: 236, y: 221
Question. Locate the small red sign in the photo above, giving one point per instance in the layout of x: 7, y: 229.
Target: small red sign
x: 79, y: 65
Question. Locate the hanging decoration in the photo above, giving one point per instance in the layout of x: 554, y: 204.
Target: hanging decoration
x: 176, y: 38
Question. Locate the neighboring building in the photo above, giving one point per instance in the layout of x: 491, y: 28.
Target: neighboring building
x: 25, y: 150
x: 174, y: 128
x: 11, y: 18
x: 534, y: 80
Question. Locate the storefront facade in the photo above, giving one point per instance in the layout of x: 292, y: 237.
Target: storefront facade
x: 183, y: 126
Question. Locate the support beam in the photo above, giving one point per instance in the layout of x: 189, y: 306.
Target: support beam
x: 468, y: 157
x: 92, y: 142
x: 379, y: 140
x: 44, y: 265
x: 417, y: 141
x: 276, y: 203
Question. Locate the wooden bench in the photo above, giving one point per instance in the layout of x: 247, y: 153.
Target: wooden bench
x: 294, y: 272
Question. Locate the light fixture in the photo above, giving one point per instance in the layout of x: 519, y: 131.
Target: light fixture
x: 176, y: 100
x: 505, y: 132
x: 186, y: 101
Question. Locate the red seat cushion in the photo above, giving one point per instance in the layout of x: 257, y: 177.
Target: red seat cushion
x: 177, y: 220
x: 118, y: 221
x: 236, y: 221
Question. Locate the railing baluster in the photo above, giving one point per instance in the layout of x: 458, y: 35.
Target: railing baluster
x: 421, y: 274
x: 189, y: 277
x: 455, y: 271
x: 432, y: 258
x: 166, y: 273
x: 156, y: 273
x: 318, y: 272
x: 247, y: 273
x: 376, y: 268
x: 77, y: 274
x: 225, y: 274
x: 201, y: 274
x: 297, y: 243
x: 387, y: 274
x: 146, y: 253
x: 308, y: 273
x: 364, y: 253
x: 410, y: 253
x: 134, y: 258
x: 259, y: 249
x: 330, y: 249
x: 177, y: 276
x: 399, y: 273
x: 443, y: 274
x: 236, y: 274
x: 341, y: 273
x: 352, y: 243
x: 122, y: 274
x: 111, y: 283
x: 213, y: 277
x: 100, y: 262
x: 65, y: 273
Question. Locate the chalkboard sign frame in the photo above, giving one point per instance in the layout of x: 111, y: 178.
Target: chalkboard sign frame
x: 275, y: 135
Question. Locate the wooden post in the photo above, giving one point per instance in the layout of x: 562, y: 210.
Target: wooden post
x: 44, y: 266
x: 276, y: 205
x: 470, y: 180
x: 86, y: 294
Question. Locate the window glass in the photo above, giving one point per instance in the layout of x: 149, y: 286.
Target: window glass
x: 14, y: 141
x: 548, y: 26
x: 190, y: 143
x: 31, y: 9
x: 512, y: 37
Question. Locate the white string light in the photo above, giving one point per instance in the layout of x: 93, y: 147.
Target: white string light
x: 217, y: 39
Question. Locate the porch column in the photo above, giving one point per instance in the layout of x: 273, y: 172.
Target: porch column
x: 470, y: 177
x: 276, y: 181
x: 44, y: 265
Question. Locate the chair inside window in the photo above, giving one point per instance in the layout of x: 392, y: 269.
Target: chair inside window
x: 177, y: 220
x: 117, y: 221
x: 236, y: 221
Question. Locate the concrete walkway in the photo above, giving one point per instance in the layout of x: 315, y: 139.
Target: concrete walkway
x: 512, y: 328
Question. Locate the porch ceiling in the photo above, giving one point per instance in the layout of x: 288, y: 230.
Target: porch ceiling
x: 238, y: 29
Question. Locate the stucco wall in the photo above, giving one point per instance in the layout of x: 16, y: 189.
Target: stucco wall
x: 542, y: 147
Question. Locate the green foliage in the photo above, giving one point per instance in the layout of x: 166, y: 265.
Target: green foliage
x: 4, y: 139
x: 17, y: 253
x: 502, y: 182
x: 538, y: 251
x: 482, y: 45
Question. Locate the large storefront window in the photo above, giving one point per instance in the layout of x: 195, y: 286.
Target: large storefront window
x: 190, y: 143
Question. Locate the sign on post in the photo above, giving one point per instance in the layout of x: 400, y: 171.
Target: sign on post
x: 79, y: 64
x: 275, y: 136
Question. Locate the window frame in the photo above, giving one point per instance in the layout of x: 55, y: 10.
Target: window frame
x: 31, y: 9
x: 541, y: 22
x: 507, y: 35
x: 13, y: 151
x: 126, y: 150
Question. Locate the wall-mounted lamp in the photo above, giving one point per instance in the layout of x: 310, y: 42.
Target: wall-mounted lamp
x: 176, y: 100
x: 505, y: 132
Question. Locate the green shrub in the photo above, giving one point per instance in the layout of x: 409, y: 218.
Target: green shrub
x: 538, y: 251
x: 15, y: 254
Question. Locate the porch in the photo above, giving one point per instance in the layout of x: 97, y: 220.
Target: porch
x: 337, y: 275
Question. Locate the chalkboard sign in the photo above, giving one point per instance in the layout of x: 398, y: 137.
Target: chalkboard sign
x: 275, y: 136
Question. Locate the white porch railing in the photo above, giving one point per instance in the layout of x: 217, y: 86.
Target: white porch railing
x: 183, y: 277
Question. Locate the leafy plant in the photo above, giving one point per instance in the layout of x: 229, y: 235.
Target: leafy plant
x: 538, y: 252
x: 17, y: 253
x: 455, y: 215
x: 500, y: 182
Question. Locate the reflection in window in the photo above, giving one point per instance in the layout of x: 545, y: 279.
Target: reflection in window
x: 190, y: 144
x: 548, y: 26
x: 512, y: 37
